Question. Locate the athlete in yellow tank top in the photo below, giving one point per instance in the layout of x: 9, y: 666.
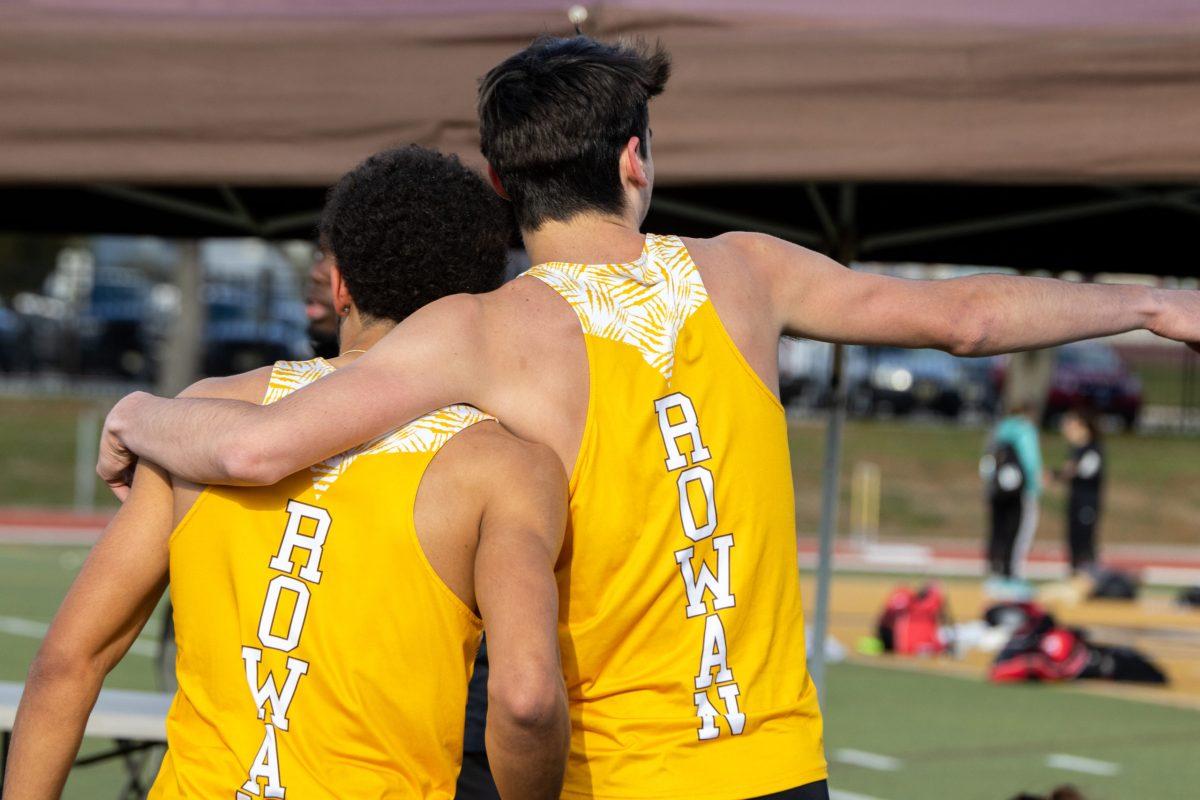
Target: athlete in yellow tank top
x: 327, y: 625
x: 682, y: 628
x: 320, y: 653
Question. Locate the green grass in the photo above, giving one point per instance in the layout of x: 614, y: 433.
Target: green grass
x: 37, y: 452
x: 929, y: 475
x: 930, y: 485
x: 1162, y: 384
x: 33, y: 581
x: 965, y: 739
x: 958, y: 739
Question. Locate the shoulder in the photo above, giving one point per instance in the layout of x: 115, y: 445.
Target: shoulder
x: 767, y: 260
x: 748, y: 245
x: 501, y: 468
x: 449, y: 321
x: 248, y: 386
x: 503, y: 455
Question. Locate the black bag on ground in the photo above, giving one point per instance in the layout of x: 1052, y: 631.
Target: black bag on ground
x: 1042, y: 650
x: 1114, y: 584
x: 1112, y: 663
x: 1189, y: 596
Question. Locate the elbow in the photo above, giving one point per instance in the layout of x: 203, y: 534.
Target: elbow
x: 533, y: 703
x: 969, y: 332
x: 244, y: 463
x: 55, y: 664
x: 968, y: 344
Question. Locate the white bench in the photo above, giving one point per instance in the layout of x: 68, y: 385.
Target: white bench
x: 134, y: 721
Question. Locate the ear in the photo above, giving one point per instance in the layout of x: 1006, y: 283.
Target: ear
x: 632, y: 166
x: 497, y: 186
x: 338, y: 289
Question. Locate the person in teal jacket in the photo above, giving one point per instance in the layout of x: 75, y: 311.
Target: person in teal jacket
x: 1015, y: 519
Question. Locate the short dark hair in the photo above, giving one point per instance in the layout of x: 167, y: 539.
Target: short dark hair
x: 409, y: 226
x: 554, y: 118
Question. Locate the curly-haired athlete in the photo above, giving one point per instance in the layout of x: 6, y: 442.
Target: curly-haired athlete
x: 648, y: 363
x: 327, y: 624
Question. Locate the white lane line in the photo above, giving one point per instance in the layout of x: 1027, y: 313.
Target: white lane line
x: 30, y: 629
x: 1088, y: 766
x: 838, y: 794
x: 861, y: 758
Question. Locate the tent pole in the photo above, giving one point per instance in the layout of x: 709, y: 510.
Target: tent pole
x: 1005, y: 222
x: 174, y: 205
x: 183, y: 350
x: 830, y: 472
x: 845, y: 247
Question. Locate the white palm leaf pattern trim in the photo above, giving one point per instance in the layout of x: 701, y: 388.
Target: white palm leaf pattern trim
x: 643, y: 304
x: 288, y: 376
x: 425, y: 435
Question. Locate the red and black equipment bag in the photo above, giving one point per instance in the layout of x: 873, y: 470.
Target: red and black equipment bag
x: 914, y: 622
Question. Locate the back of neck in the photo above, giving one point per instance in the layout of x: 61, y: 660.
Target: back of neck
x: 585, y: 239
x: 355, y: 339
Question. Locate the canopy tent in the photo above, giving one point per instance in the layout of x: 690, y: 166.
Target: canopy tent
x: 1057, y: 135
x: 957, y: 123
x: 293, y: 92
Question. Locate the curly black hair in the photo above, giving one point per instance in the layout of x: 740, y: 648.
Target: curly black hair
x: 411, y: 225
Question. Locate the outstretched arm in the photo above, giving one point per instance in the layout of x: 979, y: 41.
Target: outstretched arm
x: 430, y: 360
x: 105, y: 610
x: 815, y: 297
x: 521, y: 532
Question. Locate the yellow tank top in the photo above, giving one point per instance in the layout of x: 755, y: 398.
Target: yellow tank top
x: 320, y: 655
x: 681, y: 626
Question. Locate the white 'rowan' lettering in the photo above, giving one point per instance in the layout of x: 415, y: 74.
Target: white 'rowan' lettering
x: 700, y: 582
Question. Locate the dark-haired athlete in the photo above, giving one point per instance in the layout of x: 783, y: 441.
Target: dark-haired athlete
x: 648, y: 363
x: 327, y: 624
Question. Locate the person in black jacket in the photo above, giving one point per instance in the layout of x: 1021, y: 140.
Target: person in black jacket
x: 1084, y: 470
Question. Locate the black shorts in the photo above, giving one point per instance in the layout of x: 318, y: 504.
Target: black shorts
x: 809, y: 791
x: 475, y: 783
x: 475, y: 780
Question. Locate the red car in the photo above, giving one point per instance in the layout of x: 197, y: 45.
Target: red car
x: 1089, y: 375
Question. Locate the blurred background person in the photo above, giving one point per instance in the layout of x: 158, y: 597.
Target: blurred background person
x: 1084, y: 473
x: 1015, y: 487
x: 318, y: 305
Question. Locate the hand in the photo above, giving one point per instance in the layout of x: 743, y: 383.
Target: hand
x: 1178, y: 317
x: 116, y: 462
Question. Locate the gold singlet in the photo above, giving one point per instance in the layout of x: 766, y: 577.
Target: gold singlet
x: 681, y: 624
x: 320, y: 655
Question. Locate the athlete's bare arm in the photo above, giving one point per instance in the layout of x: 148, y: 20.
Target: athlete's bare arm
x: 427, y: 362
x: 812, y: 296
x: 465, y: 349
x: 109, y: 602
x: 520, y: 535
x: 106, y: 608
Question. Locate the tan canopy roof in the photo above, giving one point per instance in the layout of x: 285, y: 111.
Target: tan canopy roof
x: 293, y: 92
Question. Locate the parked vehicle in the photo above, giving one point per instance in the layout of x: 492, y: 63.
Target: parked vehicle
x: 1092, y: 375
x: 43, y: 331
x: 10, y: 340
x: 979, y: 391
x: 1089, y: 375
x: 245, y: 329
x: 901, y: 381
x: 886, y: 379
x: 803, y: 371
x: 112, y: 335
